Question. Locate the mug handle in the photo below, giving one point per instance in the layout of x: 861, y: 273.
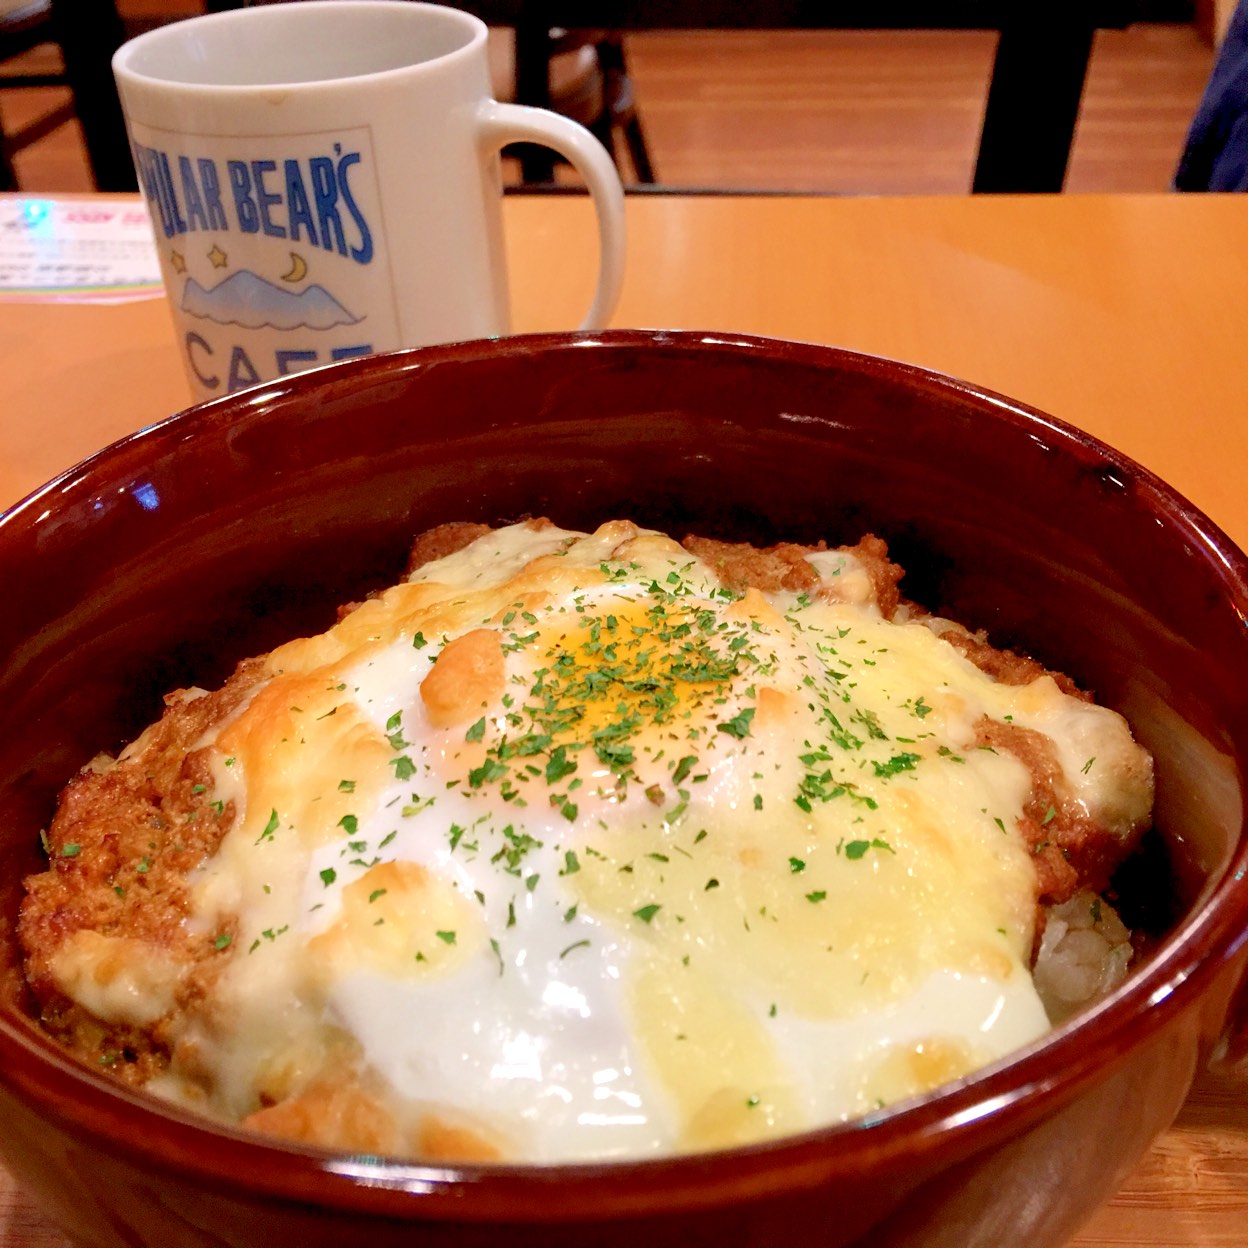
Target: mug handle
x: 500, y: 124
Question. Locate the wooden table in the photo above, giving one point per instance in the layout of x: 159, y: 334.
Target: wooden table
x: 1127, y: 316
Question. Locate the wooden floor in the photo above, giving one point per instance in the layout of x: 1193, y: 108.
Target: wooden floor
x: 862, y: 112
x: 895, y: 112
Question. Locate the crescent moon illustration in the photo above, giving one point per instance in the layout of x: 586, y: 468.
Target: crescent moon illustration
x: 298, y: 268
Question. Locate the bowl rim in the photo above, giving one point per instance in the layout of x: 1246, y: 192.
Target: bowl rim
x: 1000, y: 1098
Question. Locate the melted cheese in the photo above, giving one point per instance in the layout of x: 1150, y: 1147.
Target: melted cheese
x: 565, y: 845
x: 116, y: 978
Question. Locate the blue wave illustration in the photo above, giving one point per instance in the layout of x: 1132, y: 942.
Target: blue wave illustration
x: 246, y: 299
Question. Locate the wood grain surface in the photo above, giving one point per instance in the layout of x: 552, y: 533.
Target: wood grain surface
x: 1124, y: 315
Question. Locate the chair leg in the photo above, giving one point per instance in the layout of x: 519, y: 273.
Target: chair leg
x: 603, y: 129
x: 89, y: 35
x: 638, y: 152
x: 8, y: 175
x: 537, y: 164
x: 620, y: 108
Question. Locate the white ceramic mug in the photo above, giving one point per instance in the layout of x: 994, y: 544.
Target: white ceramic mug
x: 323, y: 181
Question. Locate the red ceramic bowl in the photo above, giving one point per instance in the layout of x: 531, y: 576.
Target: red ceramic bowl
x: 216, y: 534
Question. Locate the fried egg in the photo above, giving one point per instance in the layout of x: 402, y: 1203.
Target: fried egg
x: 560, y: 850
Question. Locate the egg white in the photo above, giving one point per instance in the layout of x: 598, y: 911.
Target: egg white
x: 700, y: 869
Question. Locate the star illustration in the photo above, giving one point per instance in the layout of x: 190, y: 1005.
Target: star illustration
x: 218, y: 257
x: 178, y: 261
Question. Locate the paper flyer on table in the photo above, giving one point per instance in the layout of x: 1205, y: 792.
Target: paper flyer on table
x: 76, y: 250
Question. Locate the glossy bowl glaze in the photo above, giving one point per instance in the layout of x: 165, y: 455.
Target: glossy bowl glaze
x: 218, y: 533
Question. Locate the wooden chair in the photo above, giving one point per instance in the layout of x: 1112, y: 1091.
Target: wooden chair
x: 87, y: 32
x: 584, y: 75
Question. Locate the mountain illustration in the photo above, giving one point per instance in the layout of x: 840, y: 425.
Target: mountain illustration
x: 246, y: 299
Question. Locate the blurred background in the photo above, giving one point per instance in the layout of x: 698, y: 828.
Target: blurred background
x: 825, y: 111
